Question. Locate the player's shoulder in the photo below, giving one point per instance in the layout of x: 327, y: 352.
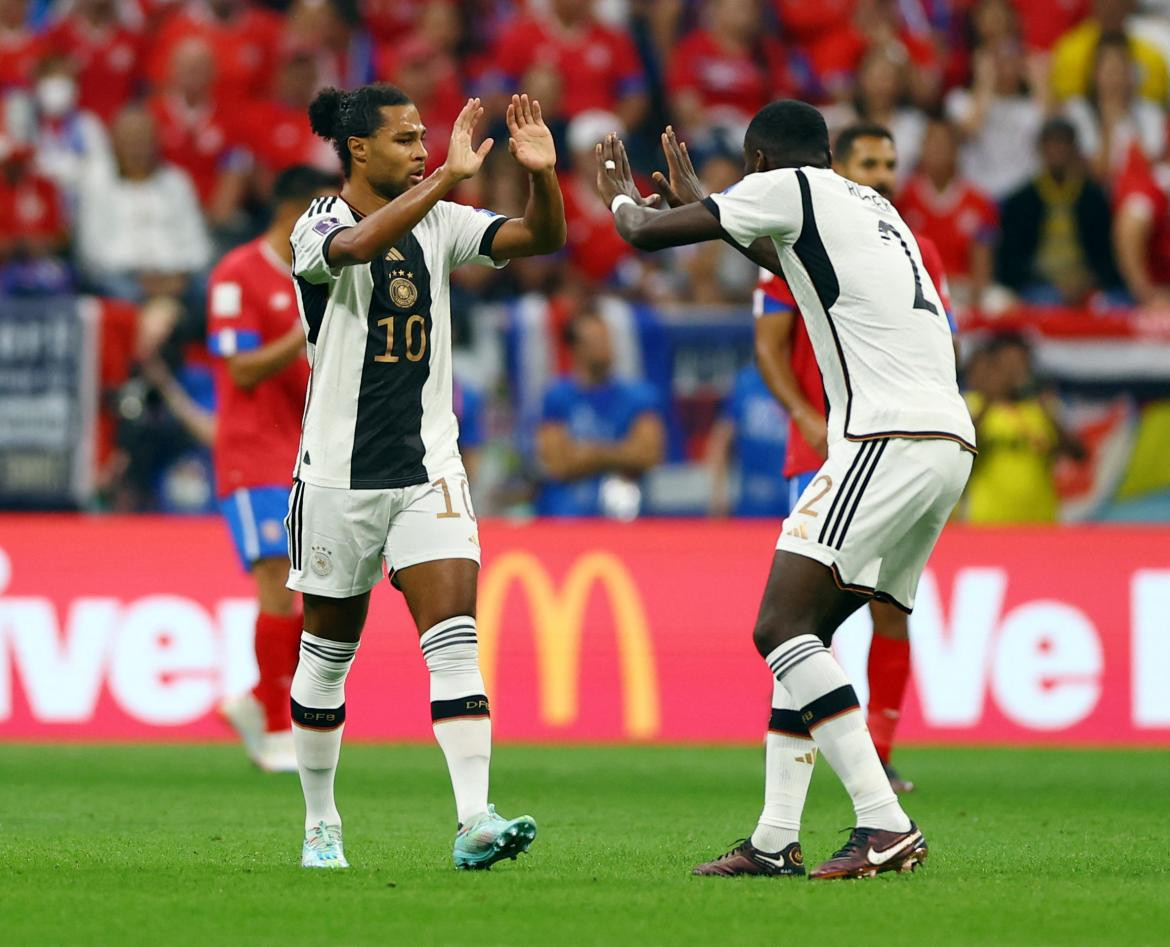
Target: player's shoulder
x: 322, y: 208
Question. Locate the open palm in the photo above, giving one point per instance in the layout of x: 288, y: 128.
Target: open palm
x: 531, y: 142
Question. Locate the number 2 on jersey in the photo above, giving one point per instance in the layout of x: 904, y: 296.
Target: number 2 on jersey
x: 886, y: 229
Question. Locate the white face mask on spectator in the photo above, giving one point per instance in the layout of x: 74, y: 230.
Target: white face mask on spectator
x: 56, y: 95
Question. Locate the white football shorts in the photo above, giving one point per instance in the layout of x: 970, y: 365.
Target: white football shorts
x: 339, y: 538
x: 874, y: 512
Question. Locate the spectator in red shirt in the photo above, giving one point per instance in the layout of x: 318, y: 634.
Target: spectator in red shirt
x: 430, y: 78
x: 948, y: 209
x: 33, y: 231
x: 276, y: 130
x: 347, y: 55
x: 594, y: 246
x: 106, y: 51
x: 20, y: 47
x: 725, y: 71
x: 195, y: 133
x: 243, y: 37
x: 584, y: 64
x: 1141, y: 233
x: 881, y: 97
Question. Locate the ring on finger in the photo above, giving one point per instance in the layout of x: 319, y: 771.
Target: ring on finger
x: 610, y: 164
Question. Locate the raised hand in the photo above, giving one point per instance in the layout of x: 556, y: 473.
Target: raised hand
x: 463, y: 160
x: 683, y: 185
x: 614, y: 176
x: 531, y: 143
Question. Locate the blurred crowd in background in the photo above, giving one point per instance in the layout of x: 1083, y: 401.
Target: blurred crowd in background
x: 139, y: 140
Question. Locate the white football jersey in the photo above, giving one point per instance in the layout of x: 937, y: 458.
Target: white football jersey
x: 873, y: 315
x: 378, y: 409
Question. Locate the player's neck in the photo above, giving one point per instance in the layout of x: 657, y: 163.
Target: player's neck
x: 359, y: 194
x: 277, y: 240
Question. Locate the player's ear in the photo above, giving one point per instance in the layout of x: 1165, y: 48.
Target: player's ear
x: 760, y: 163
x: 358, y: 147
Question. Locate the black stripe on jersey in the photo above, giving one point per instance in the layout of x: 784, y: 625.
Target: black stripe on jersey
x: 314, y: 299
x: 810, y: 250
x: 822, y: 536
x: 388, y: 449
x: 489, y: 236
x: 846, y: 519
x: 849, y: 489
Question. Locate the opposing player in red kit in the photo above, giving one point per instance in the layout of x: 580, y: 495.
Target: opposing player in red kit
x: 255, y: 330
x: 865, y: 154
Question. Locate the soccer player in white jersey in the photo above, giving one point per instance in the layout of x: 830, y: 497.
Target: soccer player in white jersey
x: 900, y: 446
x: 378, y: 476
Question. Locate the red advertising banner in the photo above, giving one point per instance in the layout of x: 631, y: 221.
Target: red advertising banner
x: 135, y: 629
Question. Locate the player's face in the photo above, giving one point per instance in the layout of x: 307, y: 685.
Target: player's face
x: 395, y: 156
x: 873, y: 162
x: 593, y: 349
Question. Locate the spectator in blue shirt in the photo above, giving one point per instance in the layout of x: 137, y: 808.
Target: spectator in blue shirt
x: 598, y: 434
x: 752, y: 431
x: 468, y: 405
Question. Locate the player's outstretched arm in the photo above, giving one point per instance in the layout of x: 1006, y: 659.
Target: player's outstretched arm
x: 638, y: 224
x: 542, y: 229
x: 372, y: 236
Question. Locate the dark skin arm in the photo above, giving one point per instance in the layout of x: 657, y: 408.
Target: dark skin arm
x: 250, y: 368
x: 684, y: 187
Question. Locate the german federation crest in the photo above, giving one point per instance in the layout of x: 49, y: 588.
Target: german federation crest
x: 403, y: 292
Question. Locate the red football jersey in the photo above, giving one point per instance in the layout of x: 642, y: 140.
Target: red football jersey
x: 250, y: 304
x: 744, y: 83
x: 954, y: 219
x: 200, y: 141
x: 108, y: 62
x: 1146, y: 191
x: 601, y: 64
x: 772, y: 295
x: 245, y: 48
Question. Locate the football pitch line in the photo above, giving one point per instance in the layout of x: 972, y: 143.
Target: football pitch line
x: 188, y: 845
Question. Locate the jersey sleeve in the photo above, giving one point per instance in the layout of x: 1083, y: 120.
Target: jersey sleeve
x: 233, y: 324
x: 310, y: 242
x: 470, y: 232
x: 764, y: 204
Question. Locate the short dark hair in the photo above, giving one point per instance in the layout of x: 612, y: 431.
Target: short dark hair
x: 301, y: 183
x: 789, y: 133
x: 850, y: 134
x: 1059, y: 127
x: 336, y: 115
x: 571, y: 333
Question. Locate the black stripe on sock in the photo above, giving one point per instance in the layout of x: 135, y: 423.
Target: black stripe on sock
x: 787, y: 721
x: 830, y: 705
x: 443, y: 635
x: 467, y: 638
x: 787, y: 662
x: 311, y: 719
x: 333, y: 657
x: 474, y: 705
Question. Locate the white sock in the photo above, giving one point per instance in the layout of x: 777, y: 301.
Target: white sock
x: 459, y: 710
x: 811, y: 674
x: 318, y: 715
x: 789, y: 756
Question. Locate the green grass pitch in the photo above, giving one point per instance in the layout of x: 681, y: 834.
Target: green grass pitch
x: 188, y: 845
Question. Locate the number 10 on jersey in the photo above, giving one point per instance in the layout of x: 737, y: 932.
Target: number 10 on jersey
x: 414, y: 341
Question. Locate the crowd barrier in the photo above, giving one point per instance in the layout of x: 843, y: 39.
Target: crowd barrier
x: 134, y: 628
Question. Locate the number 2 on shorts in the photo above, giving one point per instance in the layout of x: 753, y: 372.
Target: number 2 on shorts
x: 807, y: 509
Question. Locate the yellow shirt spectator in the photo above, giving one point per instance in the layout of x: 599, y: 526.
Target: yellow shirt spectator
x: 1011, y: 481
x: 1072, y: 64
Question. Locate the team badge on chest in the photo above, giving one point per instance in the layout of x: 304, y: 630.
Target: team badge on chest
x: 403, y: 292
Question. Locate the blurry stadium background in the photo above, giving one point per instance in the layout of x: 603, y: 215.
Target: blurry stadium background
x: 138, y: 143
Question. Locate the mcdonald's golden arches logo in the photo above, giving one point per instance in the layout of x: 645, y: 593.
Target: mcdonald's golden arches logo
x: 558, y: 619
